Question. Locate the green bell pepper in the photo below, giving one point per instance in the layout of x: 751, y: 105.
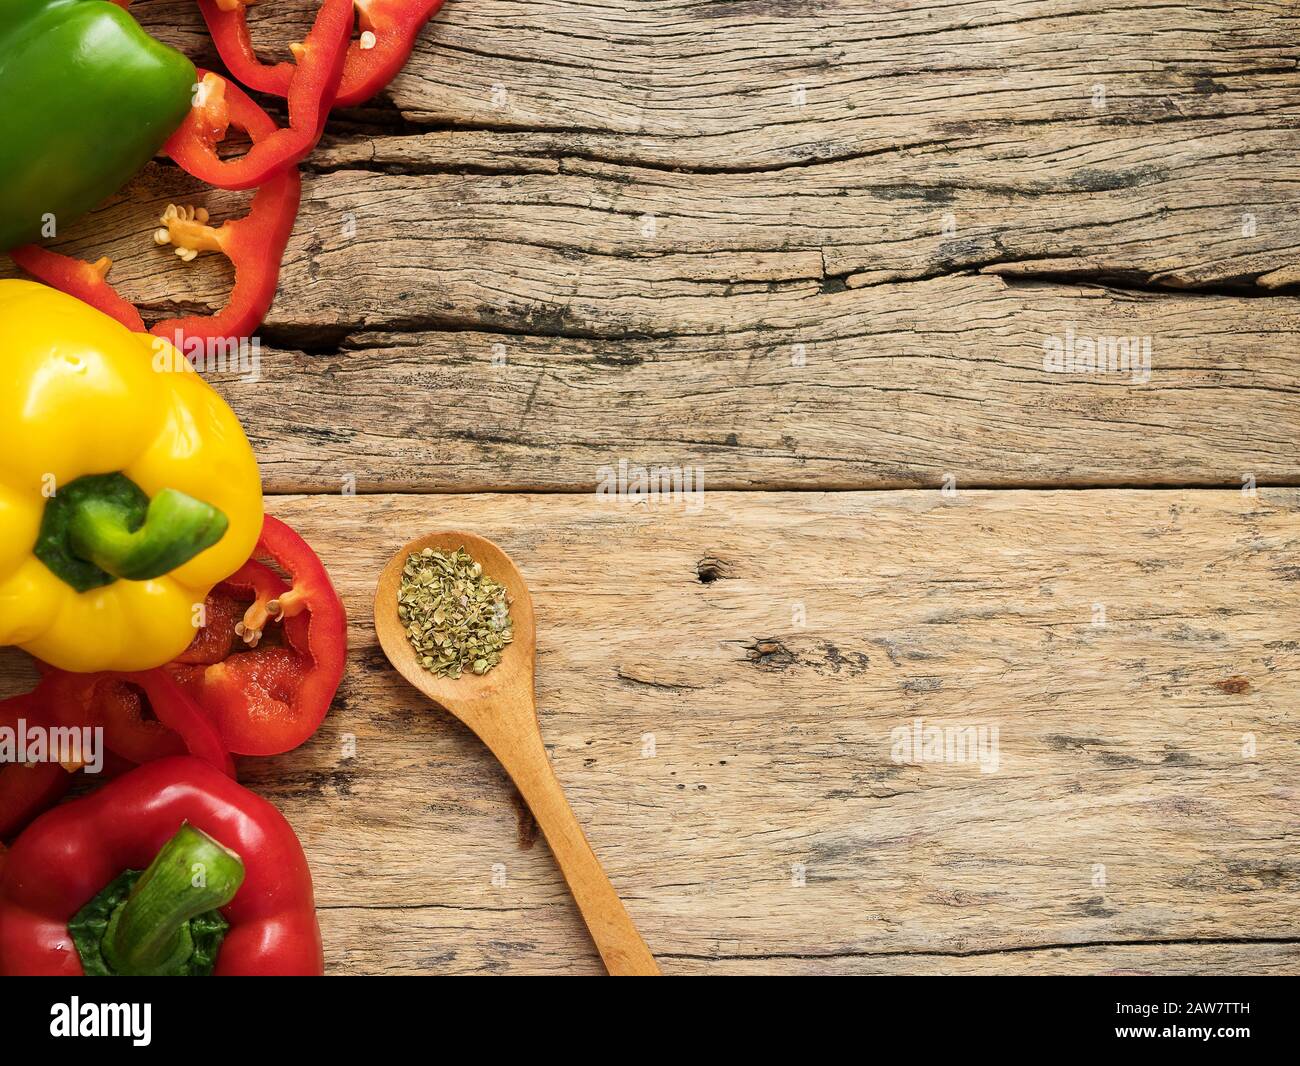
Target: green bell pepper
x: 88, y: 98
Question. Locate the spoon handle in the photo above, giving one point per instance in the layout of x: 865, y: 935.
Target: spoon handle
x: 620, y: 945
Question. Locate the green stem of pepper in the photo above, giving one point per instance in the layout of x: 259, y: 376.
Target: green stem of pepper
x: 149, y: 934
x: 103, y: 527
x: 176, y: 528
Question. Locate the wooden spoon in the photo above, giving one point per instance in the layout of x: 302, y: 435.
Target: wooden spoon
x: 500, y: 708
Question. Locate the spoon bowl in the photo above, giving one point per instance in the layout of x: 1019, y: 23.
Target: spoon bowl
x: 500, y: 707
x: 470, y: 696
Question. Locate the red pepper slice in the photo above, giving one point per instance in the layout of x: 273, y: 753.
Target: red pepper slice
x: 309, y: 85
x: 116, y: 702
x: 27, y: 789
x: 272, y: 697
x: 254, y: 244
x: 388, y: 32
x: 88, y: 282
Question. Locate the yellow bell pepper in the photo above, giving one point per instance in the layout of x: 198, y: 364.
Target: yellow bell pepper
x: 127, y: 487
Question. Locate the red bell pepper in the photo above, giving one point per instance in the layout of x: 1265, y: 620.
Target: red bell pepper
x: 27, y: 789
x: 388, y: 32
x: 70, y: 902
x: 309, y: 85
x: 270, y: 697
x: 120, y: 704
x: 254, y: 244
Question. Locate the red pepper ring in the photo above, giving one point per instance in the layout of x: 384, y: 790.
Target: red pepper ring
x: 254, y: 244
x: 310, y: 85
x: 388, y: 32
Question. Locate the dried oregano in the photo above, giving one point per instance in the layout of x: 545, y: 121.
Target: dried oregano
x: 456, y: 617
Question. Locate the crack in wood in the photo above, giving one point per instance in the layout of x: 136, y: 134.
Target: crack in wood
x: 977, y: 952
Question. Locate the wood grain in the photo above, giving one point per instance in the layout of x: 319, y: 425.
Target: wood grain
x: 917, y: 117
x: 1121, y: 744
x: 813, y: 248
x: 788, y: 386
x: 650, y: 285
x: 710, y: 83
x: 1065, y: 131
x: 429, y: 940
x: 587, y: 248
x: 903, y: 387
x: 1120, y: 753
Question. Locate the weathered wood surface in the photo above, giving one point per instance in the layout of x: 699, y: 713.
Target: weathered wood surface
x: 879, y: 394
x: 1079, y: 133
x: 1120, y: 744
x: 894, y: 385
x: 406, y: 941
x: 651, y: 228
x: 804, y: 247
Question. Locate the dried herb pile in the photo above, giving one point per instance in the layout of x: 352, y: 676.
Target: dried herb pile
x: 456, y: 617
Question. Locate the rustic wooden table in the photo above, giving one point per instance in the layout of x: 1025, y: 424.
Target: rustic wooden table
x: 818, y: 252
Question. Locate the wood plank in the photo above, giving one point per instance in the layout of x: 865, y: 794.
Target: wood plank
x: 682, y: 82
x: 1123, y: 747
x: 472, y: 941
x: 1172, y: 960
x: 947, y: 138
x: 998, y: 115
x: 437, y: 249
x: 541, y: 243
x: 1176, y: 207
x: 886, y: 397
x: 901, y: 384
